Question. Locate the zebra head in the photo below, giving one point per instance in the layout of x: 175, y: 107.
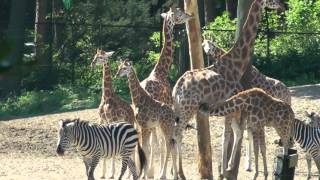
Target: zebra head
x: 65, y: 135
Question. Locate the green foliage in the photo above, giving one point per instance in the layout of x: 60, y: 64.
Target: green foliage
x: 217, y: 33
x: 293, y: 58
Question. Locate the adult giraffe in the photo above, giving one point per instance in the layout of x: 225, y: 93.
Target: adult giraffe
x: 272, y: 87
x: 157, y: 84
x: 216, y: 84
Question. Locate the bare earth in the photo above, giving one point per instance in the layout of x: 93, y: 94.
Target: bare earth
x: 27, y: 145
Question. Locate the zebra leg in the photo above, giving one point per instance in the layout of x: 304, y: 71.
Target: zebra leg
x: 112, y: 168
x: 263, y: 150
x: 92, y: 166
x: 104, y: 169
x: 133, y: 169
x: 86, y: 163
x: 256, y: 153
x: 308, y: 158
x: 123, y: 167
x: 248, y: 166
x: 317, y: 161
x: 237, y: 136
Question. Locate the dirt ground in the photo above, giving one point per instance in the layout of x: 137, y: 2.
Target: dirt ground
x: 27, y: 145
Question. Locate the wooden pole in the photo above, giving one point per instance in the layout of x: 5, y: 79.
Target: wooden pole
x: 196, y: 62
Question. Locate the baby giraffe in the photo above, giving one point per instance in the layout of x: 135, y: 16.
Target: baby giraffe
x: 263, y: 110
x: 150, y: 113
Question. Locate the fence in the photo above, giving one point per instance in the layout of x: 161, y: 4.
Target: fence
x: 72, y: 60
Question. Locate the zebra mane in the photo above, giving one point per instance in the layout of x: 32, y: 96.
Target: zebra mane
x: 65, y: 122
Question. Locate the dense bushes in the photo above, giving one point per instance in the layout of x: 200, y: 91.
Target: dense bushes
x: 294, y: 55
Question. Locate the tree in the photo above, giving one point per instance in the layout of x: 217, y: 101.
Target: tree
x: 10, y: 80
x: 231, y: 7
x: 196, y: 62
x: 42, y: 39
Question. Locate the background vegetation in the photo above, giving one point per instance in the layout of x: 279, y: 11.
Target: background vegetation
x: 132, y: 28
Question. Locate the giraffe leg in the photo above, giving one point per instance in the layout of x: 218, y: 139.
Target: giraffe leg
x: 168, y: 138
x: 179, y: 144
x: 225, y: 142
x: 308, y: 158
x: 263, y: 150
x: 174, y: 158
x: 237, y: 136
x: 248, y: 166
x: 145, y: 133
x: 153, y: 144
x: 256, y: 153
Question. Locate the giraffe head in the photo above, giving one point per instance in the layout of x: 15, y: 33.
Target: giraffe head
x: 209, y: 47
x: 272, y: 4
x: 101, y: 57
x: 314, y: 118
x: 176, y: 16
x: 124, y: 68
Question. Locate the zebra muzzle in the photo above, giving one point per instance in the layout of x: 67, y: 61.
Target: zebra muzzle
x: 60, y: 151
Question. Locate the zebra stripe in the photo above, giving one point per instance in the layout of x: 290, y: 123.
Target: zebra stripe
x: 308, y: 138
x: 95, y: 141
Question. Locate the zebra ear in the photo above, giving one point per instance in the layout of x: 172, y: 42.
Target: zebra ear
x: 61, y: 123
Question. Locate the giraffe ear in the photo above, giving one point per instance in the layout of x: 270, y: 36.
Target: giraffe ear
x: 98, y: 50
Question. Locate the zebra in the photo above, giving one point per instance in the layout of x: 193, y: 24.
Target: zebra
x: 308, y: 138
x: 95, y: 141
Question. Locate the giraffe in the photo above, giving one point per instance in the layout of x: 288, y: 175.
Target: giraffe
x: 150, y: 113
x: 112, y: 108
x: 264, y: 110
x: 157, y: 84
x: 314, y: 122
x: 273, y: 87
x: 219, y: 82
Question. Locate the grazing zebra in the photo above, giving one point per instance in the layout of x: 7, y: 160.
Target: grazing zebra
x: 95, y: 141
x: 309, y: 139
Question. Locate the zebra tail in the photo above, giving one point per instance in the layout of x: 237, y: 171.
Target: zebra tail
x: 142, y: 158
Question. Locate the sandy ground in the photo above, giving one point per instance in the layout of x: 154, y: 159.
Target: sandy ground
x: 27, y: 145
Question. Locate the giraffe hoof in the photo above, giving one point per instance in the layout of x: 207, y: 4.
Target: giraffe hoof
x: 248, y: 169
x: 102, y: 177
x: 111, y: 177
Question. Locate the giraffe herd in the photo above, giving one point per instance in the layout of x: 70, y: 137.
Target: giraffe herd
x: 215, y: 90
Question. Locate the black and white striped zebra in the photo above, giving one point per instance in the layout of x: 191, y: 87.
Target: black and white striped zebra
x: 95, y: 141
x: 308, y: 138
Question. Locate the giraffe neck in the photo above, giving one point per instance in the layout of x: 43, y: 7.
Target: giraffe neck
x: 163, y: 66
x: 106, y: 83
x: 136, y: 90
x: 234, y: 104
x: 234, y: 63
x: 217, y: 52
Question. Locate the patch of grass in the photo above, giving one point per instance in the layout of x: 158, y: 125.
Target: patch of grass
x: 61, y: 98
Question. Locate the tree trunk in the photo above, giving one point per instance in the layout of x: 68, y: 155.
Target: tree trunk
x: 242, y: 13
x: 209, y: 10
x: 42, y: 43
x: 10, y: 80
x: 196, y: 62
x: 231, y: 7
x: 59, y: 26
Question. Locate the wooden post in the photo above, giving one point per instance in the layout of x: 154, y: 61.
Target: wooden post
x: 196, y: 62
